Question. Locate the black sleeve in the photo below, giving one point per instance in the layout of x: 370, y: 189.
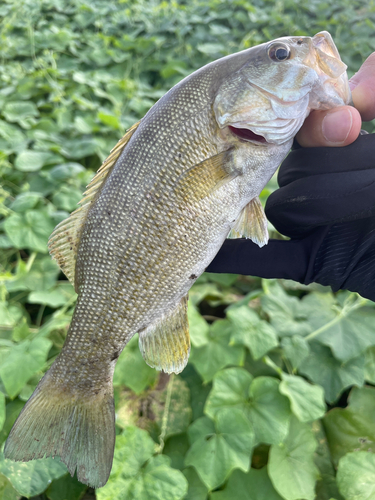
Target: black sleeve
x: 326, y: 205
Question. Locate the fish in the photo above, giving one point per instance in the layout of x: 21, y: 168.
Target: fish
x: 181, y: 180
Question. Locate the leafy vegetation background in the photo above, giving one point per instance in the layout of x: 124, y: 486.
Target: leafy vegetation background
x: 278, y: 399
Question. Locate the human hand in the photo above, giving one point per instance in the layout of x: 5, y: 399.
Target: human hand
x: 341, y: 126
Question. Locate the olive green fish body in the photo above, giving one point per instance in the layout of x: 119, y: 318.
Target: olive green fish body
x: 151, y: 221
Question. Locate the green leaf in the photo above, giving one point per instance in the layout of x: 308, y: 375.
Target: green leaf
x: 249, y: 330
x: 333, y: 375
x: 370, y: 365
x: 197, y: 489
x: 2, y: 410
x: 17, y: 111
x: 137, y: 474
x: 31, y: 161
x: 198, y: 327
x: 291, y: 464
x: 56, y: 297
x: 25, y: 201
x: 215, y: 455
x: 306, y: 400
x: 296, y: 349
x: 356, y: 476
x: 131, y: 362
x: 259, y: 399
x: 20, y: 362
x: 29, y: 230
x: 66, y: 488
x: 288, y: 314
x: 254, y: 485
x: 352, y: 428
x: 216, y: 354
x: 31, y: 478
x: 7, y: 492
x: 66, y: 171
x: 67, y: 198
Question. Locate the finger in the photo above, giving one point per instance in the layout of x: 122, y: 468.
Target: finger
x: 278, y: 259
x: 306, y: 162
x: 362, y: 85
x: 333, y: 128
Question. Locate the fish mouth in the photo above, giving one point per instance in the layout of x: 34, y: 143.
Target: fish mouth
x: 247, y: 135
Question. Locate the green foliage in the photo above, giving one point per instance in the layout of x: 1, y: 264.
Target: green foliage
x: 247, y: 418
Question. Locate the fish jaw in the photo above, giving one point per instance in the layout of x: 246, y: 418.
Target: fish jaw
x: 266, y: 102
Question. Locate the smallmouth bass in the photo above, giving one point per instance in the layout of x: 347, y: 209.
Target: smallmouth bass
x: 153, y: 218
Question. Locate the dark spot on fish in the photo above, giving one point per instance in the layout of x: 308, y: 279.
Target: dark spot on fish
x: 193, y: 277
x: 115, y: 355
x: 35, y: 439
x: 71, y: 248
x: 108, y: 212
x: 299, y: 42
x: 179, y: 155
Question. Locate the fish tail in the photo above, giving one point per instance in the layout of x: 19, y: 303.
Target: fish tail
x: 78, y: 429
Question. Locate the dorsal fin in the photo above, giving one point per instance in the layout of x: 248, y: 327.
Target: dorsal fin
x: 63, y: 242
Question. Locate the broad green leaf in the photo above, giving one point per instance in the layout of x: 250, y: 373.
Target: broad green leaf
x: 66, y: 488
x: 352, y: 428
x: 12, y: 411
x: 254, y: 485
x: 9, y: 314
x: 154, y: 480
x: 296, y: 349
x: 177, y: 417
x: 2, y: 410
x: 216, y: 354
x: 176, y: 448
x: 131, y: 369
x: 7, y: 492
x: 333, y: 375
x: 197, y: 489
x: 66, y: 171
x: 370, y: 365
x: 291, y: 464
x: 67, y: 198
x: 40, y: 277
x: 29, y: 230
x: 356, y: 476
x: 249, y: 330
x: 20, y: 362
x: 287, y: 314
x: 31, y: 478
x: 31, y: 161
x: 19, y: 110
x: 215, y: 455
x: 56, y: 297
x: 198, y: 327
x: 259, y: 399
x: 306, y: 400
x: 25, y: 201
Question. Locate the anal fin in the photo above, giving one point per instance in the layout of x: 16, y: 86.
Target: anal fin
x: 252, y: 224
x: 165, y: 345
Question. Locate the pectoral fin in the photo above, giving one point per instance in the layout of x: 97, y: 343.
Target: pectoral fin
x: 205, y: 177
x: 165, y: 345
x: 252, y: 224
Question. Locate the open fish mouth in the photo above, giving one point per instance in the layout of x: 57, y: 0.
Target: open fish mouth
x: 247, y: 135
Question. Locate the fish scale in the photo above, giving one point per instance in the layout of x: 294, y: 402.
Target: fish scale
x: 154, y: 216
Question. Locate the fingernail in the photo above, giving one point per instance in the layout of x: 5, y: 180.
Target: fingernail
x: 337, y: 125
x: 352, y: 85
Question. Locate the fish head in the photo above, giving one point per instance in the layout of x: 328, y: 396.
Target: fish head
x: 268, y: 98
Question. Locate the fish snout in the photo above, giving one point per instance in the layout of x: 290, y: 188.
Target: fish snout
x: 332, y: 87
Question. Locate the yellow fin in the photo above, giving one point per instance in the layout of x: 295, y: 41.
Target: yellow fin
x: 252, y: 223
x: 63, y: 242
x: 205, y: 177
x: 165, y: 345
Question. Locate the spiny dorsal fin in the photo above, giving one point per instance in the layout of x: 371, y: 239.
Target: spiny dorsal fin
x: 165, y: 345
x: 63, y: 242
x: 252, y: 223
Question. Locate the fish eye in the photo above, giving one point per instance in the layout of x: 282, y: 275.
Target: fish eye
x: 279, y: 52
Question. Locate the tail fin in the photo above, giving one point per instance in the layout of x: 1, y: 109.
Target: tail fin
x: 80, y: 430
